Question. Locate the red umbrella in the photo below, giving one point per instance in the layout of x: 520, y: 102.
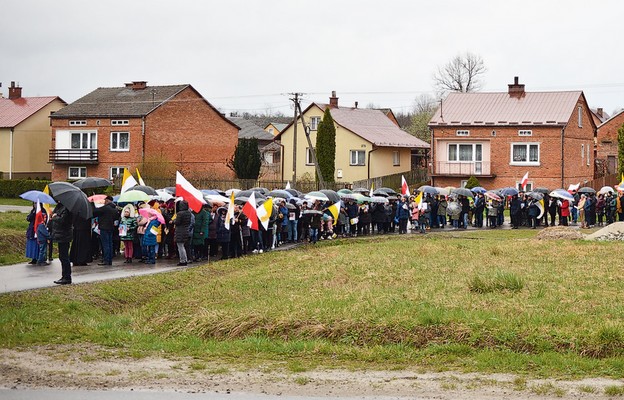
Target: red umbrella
x: 97, y: 198
x: 150, y: 212
x: 493, y: 196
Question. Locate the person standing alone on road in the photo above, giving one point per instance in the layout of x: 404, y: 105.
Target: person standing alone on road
x: 62, y: 232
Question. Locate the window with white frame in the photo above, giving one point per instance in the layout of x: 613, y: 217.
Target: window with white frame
x: 120, y: 141
x: 309, y: 158
x: 525, y: 132
x: 268, y: 157
x: 116, y: 171
x: 76, y: 172
x: 117, y: 122
x: 314, y: 123
x: 587, y: 154
x: 77, y: 122
x: 83, y: 140
x: 271, y: 130
x: 525, y: 153
x: 396, y: 158
x: 582, y: 152
x: 357, y: 157
x: 580, y: 117
x: 467, y: 152
x: 461, y: 132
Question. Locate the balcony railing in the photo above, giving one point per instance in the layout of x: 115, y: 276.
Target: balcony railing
x: 73, y: 156
x: 462, y: 168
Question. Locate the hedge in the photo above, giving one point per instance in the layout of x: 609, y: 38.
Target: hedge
x: 13, y: 188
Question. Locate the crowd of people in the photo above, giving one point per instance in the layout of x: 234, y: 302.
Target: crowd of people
x: 147, y: 231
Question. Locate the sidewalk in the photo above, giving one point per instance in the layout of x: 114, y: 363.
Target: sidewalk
x: 22, y: 209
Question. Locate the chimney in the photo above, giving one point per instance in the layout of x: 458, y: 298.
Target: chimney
x: 15, y: 92
x: 333, y: 100
x: 599, y: 111
x: 516, y: 89
x: 356, y: 104
x: 137, y: 85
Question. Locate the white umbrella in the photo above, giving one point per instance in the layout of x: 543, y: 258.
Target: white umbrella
x: 317, y: 196
x: 229, y: 191
x: 606, y: 189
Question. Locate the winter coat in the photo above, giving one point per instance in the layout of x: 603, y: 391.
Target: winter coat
x: 352, y: 210
x: 365, y: 216
x: 30, y: 231
x: 514, y: 206
x: 61, y: 225
x: 534, y: 210
x: 565, y: 208
x: 42, y: 234
x: 284, y: 211
x: 403, y: 211
x: 442, y: 204
x: 378, y: 214
x: 149, y: 239
x: 107, y: 215
x: 182, y: 223
x: 131, y: 227
x: 223, y: 233
x: 316, y: 220
x: 202, y: 222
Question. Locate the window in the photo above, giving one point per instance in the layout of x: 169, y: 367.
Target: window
x: 396, y: 158
x: 77, y: 172
x: 525, y: 133
x: 116, y: 171
x: 580, y: 117
x: 587, y: 154
x: 271, y: 130
x: 356, y: 157
x: 582, y: 152
x: 463, y: 133
x: 528, y: 188
x: 84, y: 140
x: 465, y: 152
x: 309, y: 158
x: 525, y: 153
x: 314, y: 122
x: 120, y: 122
x: 77, y: 123
x: 268, y: 157
x: 120, y: 141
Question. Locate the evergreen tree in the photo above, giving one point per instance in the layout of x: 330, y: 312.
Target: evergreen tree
x: 326, y: 147
x: 621, y: 151
x: 246, y: 159
x: 472, y: 182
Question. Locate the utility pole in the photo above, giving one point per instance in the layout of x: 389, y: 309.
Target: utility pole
x: 296, y: 101
x: 312, y: 149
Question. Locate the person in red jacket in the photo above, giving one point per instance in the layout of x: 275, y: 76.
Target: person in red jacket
x: 565, y: 212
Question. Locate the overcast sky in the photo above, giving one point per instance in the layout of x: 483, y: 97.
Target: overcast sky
x: 247, y: 55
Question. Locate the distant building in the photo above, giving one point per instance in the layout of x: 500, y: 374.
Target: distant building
x: 25, y: 134
x: 275, y: 128
x: 499, y: 137
x: 607, y: 143
x: 112, y: 128
x: 269, y: 150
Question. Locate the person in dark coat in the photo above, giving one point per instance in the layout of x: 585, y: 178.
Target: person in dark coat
x: 200, y: 233
x: 236, y: 234
x: 81, y: 252
x: 514, y: 211
x: 212, y: 233
x: 533, y: 213
x: 108, y: 218
x: 43, y: 236
x: 402, y: 214
x: 378, y: 216
x: 223, y: 232
x: 62, y: 232
x: 182, y: 222
x: 479, y: 208
x: 352, y: 211
x: 552, y: 210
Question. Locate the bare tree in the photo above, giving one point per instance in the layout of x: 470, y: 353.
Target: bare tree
x: 462, y: 74
x: 425, y: 106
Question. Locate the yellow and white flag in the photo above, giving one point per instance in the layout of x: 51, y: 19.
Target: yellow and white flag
x: 128, y: 181
x: 540, y: 205
x: 264, y: 212
x: 46, y: 206
x: 230, y: 212
x: 140, y: 179
x: 418, y: 199
x: 334, y: 209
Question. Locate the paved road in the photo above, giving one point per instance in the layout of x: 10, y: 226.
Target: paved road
x: 24, y: 209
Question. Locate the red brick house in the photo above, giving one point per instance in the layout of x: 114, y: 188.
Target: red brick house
x: 607, y: 143
x: 499, y: 137
x: 141, y: 126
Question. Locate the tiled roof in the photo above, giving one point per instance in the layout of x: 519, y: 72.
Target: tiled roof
x: 120, y: 102
x: 250, y: 130
x: 13, y: 112
x: 375, y: 127
x: 501, y: 109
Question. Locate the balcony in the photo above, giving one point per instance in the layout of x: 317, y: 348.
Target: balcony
x: 73, y: 156
x: 462, y: 168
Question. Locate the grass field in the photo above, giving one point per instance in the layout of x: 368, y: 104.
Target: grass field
x: 487, y: 301
x: 13, y: 227
x: 14, y: 202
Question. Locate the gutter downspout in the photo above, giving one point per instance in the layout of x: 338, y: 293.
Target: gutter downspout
x: 282, y: 160
x: 143, y: 138
x: 563, y: 156
x: 11, y: 154
x: 431, y: 152
x: 369, y: 163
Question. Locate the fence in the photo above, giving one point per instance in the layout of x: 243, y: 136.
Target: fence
x: 607, y: 180
x: 414, y: 178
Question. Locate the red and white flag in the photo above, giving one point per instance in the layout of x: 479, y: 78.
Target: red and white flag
x: 38, y: 217
x: 574, y: 188
x: 524, y: 181
x: 404, y: 188
x: 249, y: 209
x: 184, y: 189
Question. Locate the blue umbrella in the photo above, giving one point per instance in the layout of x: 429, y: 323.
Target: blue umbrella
x: 34, y: 195
x: 562, y: 194
x: 478, y: 189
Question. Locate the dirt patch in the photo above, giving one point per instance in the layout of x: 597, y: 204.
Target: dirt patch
x: 559, y: 232
x: 96, y: 368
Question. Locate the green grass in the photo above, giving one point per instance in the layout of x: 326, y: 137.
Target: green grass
x: 13, y: 227
x: 14, y: 202
x: 552, y: 308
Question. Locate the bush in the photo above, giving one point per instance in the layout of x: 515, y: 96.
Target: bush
x: 13, y: 188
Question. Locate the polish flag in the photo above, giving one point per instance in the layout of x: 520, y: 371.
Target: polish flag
x: 404, y: 188
x: 249, y: 209
x: 524, y: 181
x: 38, y: 217
x: 184, y: 189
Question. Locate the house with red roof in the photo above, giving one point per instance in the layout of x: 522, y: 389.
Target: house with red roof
x: 499, y: 137
x: 607, y: 143
x: 25, y: 134
x: 159, y: 129
x: 369, y: 144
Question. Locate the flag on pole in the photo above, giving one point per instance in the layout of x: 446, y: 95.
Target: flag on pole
x: 288, y: 185
x: 371, y: 189
x: 540, y: 205
x: 230, y: 212
x: 140, y: 179
x: 128, y: 181
x: 524, y: 181
x: 264, y: 212
x: 418, y: 199
x: 334, y: 209
x: 249, y: 209
x: 404, y: 188
x: 573, y: 188
x: 46, y: 207
x: 622, y: 181
x: 38, y: 217
x: 184, y: 189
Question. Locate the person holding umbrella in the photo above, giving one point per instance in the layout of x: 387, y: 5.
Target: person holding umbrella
x: 107, y: 217
x: 32, y: 248
x: 62, y: 231
x: 150, y: 237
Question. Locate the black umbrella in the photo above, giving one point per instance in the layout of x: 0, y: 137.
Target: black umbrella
x: 331, y: 195
x: 263, y: 191
x: 92, y: 182
x: 361, y: 190
x: 294, y: 192
x: 145, y: 189
x: 586, y: 190
x: 428, y: 190
x: 380, y: 193
x: 388, y: 190
x: 72, y: 197
x: 247, y: 193
x: 535, y: 195
x: 463, y: 192
x: 541, y: 190
x: 170, y: 189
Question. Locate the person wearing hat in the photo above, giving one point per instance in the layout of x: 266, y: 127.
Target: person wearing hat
x: 107, y: 217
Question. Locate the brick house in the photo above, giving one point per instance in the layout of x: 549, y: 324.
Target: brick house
x: 498, y: 137
x: 25, y: 134
x: 155, y: 128
x: 607, y: 143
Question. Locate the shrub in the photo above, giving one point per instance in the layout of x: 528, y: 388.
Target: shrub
x: 13, y: 188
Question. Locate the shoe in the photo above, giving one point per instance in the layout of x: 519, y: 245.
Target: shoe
x: 181, y: 264
x: 63, y: 281
x: 33, y: 262
x: 260, y: 251
x: 42, y: 264
x: 105, y: 263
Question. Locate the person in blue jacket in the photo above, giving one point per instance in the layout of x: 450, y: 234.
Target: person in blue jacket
x: 150, y: 239
x: 402, y: 214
